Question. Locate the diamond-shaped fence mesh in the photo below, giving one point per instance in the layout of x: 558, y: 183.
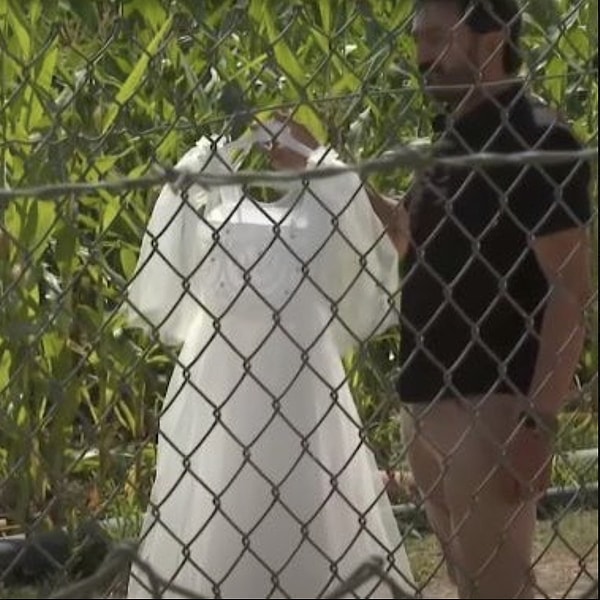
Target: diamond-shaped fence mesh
x: 224, y: 377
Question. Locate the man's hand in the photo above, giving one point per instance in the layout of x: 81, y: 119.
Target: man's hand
x: 399, y: 485
x: 282, y: 157
x: 394, y: 217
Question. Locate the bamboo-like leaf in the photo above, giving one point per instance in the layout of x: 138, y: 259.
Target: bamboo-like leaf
x: 286, y: 59
x: 257, y: 9
x: 325, y: 9
x: 110, y: 209
x: 126, y: 417
x: 5, y: 365
x: 43, y: 80
x: 19, y: 26
x: 31, y: 222
x: 65, y: 251
x: 39, y: 226
x: 34, y: 116
x: 53, y: 344
x: 36, y: 9
x: 128, y: 261
x: 151, y: 10
x: 136, y: 76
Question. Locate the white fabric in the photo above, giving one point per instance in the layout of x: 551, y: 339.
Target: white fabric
x: 262, y: 477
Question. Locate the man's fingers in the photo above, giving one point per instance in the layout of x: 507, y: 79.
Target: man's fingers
x: 280, y: 122
x: 284, y: 117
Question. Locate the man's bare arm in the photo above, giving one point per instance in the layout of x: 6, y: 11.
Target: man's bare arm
x: 393, y: 215
x: 564, y: 258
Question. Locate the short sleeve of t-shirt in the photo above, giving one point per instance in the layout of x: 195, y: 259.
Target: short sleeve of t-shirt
x: 554, y: 196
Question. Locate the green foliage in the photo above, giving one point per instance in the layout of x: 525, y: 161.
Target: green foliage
x: 95, y: 90
x: 577, y: 431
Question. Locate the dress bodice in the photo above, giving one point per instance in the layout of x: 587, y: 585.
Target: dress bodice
x: 249, y: 259
x: 260, y: 255
x: 314, y: 259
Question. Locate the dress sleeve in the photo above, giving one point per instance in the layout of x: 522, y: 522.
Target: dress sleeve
x: 357, y: 267
x: 160, y: 296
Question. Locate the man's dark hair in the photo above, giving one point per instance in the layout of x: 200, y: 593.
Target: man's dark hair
x: 483, y: 16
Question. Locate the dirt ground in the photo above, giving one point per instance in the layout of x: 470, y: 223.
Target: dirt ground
x: 567, y: 566
x: 567, y: 549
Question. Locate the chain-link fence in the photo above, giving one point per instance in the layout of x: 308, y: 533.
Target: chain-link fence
x: 278, y: 333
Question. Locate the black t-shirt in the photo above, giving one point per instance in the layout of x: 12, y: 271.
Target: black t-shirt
x: 473, y: 293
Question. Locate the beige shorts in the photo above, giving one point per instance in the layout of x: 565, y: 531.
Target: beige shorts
x: 455, y: 450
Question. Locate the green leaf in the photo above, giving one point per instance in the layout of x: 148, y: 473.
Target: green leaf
x: 556, y: 71
x: 90, y: 318
x: 46, y: 72
x: 39, y: 226
x: 53, y: 344
x: 257, y: 9
x: 311, y: 120
x: 592, y: 23
x: 286, y: 59
x: 5, y: 363
x: 35, y: 116
x: 128, y: 261
x: 112, y: 207
x: 325, y: 9
x: 152, y: 11
x: 22, y: 416
x: 349, y: 82
x: 87, y: 11
x: 65, y: 251
x: 168, y: 146
x: 126, y: 417
x: 19, y: 27
x: 136, y: 76
x: 574, y: 46
x: 66, y: 402
x: 35, y: 10
x: 31, y: 223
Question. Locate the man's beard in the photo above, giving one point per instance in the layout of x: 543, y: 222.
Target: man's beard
x: 450, y: 88
x: 451, y: 84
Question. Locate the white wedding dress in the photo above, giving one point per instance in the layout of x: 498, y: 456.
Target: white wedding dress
x: 264, y: 487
